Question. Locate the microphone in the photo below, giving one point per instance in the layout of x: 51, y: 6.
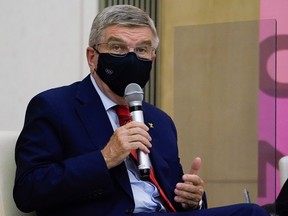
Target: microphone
x: 134, y: 97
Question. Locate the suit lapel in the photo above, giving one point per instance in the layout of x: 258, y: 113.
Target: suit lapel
x: 158, y: 162
x: 92, y: 113
x: 160, y: 165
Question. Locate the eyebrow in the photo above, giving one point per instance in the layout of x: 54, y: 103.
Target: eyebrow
x: 116, y: 39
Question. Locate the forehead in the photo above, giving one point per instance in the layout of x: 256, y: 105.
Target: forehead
x: 129, y: 35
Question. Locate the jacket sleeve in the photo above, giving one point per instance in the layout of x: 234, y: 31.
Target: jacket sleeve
x: 51, y: 171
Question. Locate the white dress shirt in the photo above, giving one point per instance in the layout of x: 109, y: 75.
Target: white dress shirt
x: 146, y: 195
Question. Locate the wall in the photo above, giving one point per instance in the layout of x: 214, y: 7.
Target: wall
x: 272, y: 93
x: 42, y: 46
x: 193, y: 12
x: 215, y: 104
x: 209, y: 84
x: 276, y: 10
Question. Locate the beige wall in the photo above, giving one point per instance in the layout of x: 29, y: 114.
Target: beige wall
x: 209, y: 85
x: 193, y: 12
x: 215, y: 105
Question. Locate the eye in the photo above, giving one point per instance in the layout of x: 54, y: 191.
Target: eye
x: 117, y: 48
x: 142, y: 49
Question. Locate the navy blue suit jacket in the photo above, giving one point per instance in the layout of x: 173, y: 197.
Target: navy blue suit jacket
x: 60, y: 169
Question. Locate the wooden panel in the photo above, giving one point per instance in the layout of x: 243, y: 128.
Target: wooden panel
x: 215, y: 104
x: 217, y: 192
x: 192, y: 12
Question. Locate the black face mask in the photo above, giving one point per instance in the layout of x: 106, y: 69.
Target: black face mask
x: 118, y: 72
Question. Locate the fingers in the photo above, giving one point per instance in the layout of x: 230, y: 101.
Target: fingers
x: 133, y: 135
x: 192, y: 183
x: 134, y: 124
x: 196, y: 164
x: 189, y: 198
x: 189, y: 194
x: 187, y: 203
x: 193, y: 179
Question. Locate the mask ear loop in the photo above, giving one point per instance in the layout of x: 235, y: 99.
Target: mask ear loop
x: 95, y: 49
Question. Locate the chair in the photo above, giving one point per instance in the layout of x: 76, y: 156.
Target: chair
x: 283, y: 169
x: 7, y: 174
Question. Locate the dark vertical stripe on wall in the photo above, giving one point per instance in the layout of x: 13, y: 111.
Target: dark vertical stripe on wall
x: 151, y: 7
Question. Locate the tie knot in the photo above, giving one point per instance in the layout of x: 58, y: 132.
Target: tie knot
x: 123, y: 114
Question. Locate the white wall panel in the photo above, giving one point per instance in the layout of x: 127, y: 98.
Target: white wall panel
x: 42, y: 45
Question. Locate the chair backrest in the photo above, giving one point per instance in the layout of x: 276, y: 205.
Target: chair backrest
x: 7, y: 174
x: 283, y: 169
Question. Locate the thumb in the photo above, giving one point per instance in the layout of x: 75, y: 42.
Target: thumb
x: 196, y: 164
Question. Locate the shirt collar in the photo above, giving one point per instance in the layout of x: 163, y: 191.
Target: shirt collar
x: 107, y: 102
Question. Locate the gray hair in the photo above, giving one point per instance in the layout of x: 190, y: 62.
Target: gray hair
x: 125, y: 15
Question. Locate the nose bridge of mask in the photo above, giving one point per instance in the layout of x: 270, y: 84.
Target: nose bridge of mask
x: 132, y: 56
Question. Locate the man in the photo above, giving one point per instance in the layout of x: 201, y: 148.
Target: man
x: 73, y: 157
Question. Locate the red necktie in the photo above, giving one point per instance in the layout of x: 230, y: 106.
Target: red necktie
x: 124, y: 117
x: 123, y: 114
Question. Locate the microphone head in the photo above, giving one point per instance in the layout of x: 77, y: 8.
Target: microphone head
x: 133, y: 92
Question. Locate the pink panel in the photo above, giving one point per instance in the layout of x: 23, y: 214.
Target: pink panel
x: 273, y: 10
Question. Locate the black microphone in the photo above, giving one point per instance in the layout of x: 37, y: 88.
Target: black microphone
x: 134, y: 97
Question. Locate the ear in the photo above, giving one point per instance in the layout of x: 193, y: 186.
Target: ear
x: 91, y: 55
x: 153, y: 57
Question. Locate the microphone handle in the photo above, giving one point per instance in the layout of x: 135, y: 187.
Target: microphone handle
x: 136, y: 114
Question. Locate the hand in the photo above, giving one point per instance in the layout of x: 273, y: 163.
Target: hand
x: 189, y: 193
x: 133, y: 135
